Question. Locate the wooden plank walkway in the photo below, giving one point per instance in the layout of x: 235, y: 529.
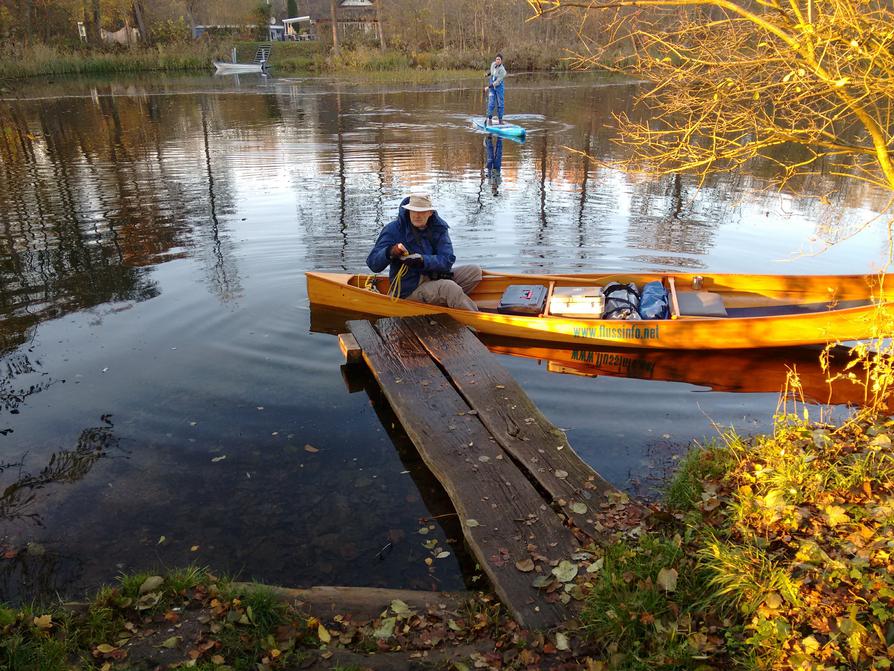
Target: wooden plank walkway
x: 510, y: 474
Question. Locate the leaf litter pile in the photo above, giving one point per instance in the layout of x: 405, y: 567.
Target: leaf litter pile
x: 773, y: 552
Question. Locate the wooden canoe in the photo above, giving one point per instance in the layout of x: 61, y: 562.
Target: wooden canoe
x: 763, y: 310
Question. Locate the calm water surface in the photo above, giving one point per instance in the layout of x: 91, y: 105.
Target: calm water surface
x: 163, y: 397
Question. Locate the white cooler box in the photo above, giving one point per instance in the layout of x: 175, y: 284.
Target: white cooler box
x: 587, y: 302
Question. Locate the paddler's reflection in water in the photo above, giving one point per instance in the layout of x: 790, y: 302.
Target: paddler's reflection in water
x: 494, y: 147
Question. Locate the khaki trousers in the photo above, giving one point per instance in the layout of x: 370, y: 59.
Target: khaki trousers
x: 451, y: 293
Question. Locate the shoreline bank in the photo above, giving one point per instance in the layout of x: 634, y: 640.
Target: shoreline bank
x: 18, y: 62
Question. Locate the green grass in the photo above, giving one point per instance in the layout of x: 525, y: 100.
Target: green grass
x: 180, y: 580
x: 248, y: 623
x: 26, y: 647
x: 101, y: 623
x: 285, y: 56
x: 642, y: 622
x: 264, y: 610
x: 21, y: 652
x: 700, y: 465
x: 745, y: 575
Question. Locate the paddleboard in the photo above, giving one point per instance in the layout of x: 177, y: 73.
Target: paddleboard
x: 505, y: 129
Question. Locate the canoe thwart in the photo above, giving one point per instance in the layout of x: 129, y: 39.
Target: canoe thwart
x: 674, y: 304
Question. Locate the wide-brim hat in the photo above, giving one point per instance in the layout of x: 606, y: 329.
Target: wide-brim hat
x: 419, y: 202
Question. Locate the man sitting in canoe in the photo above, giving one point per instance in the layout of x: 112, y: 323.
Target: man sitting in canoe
x: 418, y: 240
x: 494, y: 90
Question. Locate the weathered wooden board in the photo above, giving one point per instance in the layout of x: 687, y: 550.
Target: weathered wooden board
x: 359, y: 602
x: 349, y: 348
x: 510, y: 520
x: 513, y: 419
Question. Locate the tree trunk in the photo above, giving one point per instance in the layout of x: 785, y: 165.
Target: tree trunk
x: 190, y: 14
x: 379, y: 27
x: 333, y: 13
x: 97, y: 22
x: 88, y: 23
x: 141, y: 23
x: 27, y: 20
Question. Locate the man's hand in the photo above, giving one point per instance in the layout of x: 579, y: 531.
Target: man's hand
x: 413, y: 261
x: 397, y: 251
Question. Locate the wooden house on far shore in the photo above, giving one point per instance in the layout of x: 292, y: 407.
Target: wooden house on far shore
x: 355, y: 18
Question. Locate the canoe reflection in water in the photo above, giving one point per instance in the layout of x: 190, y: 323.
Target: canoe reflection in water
x: 742, y: 371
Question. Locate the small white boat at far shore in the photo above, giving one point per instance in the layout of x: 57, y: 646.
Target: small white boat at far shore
x: 238, y: 68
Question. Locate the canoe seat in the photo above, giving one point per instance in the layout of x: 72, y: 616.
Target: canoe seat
x: 700, y: 304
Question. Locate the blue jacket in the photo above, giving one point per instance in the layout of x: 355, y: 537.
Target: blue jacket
x: 433, y: 243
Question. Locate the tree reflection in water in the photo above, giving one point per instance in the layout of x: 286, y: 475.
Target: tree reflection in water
x: 19, y: 497
x: 12, y: 396
x: 31, y: 568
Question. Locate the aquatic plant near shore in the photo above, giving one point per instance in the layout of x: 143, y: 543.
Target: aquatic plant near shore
x: 17, y: 61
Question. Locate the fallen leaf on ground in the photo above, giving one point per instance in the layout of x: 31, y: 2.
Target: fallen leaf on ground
x: 43, y: 621
x: 385, y: 628
x: 561, y: 641
x: 400, y: 607
x: 667, y: 579
x: 596, y: 565
x: 525, y: 565
x: 565, y: 571
x: 151, y: 584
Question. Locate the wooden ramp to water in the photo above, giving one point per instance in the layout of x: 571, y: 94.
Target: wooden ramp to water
x: 512, y: 476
